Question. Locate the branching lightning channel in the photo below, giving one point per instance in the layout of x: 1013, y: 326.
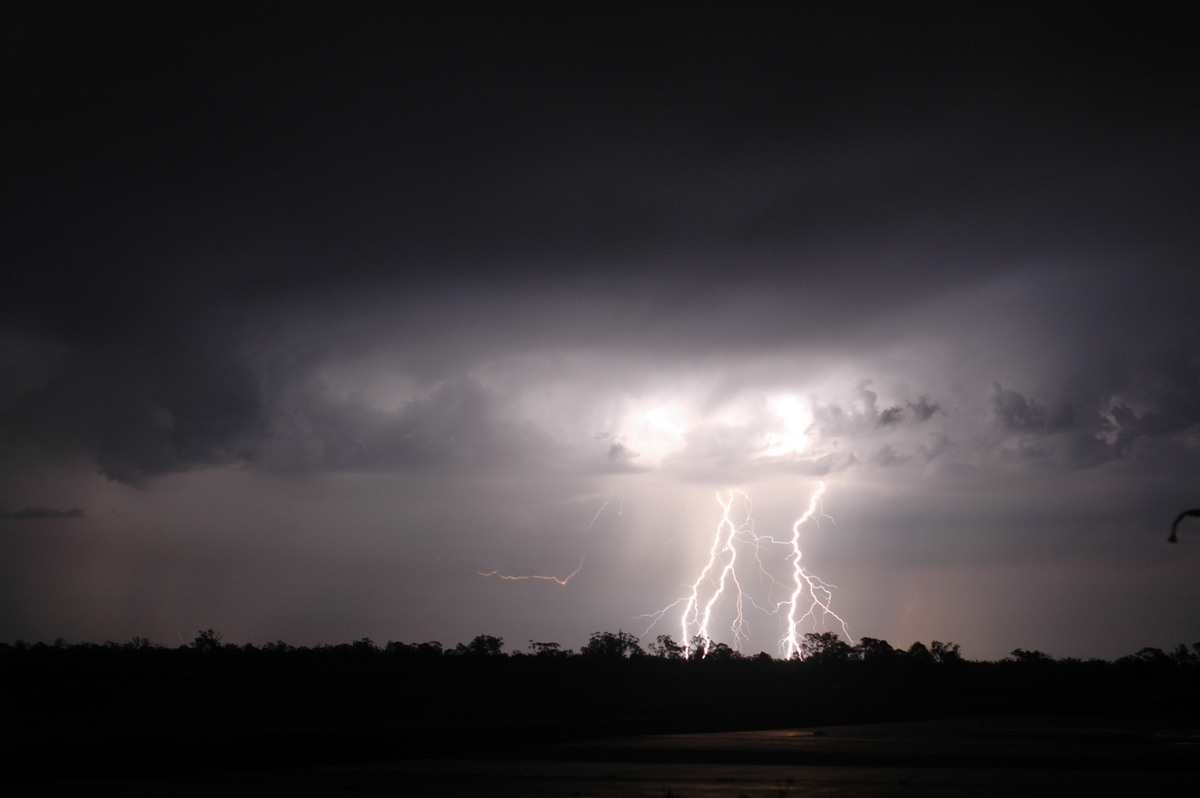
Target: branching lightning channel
x: 722, y: 545
x: 818, y: 590
x: 562, y: 580
x: 808, y: 597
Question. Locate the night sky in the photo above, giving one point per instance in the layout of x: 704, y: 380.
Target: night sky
x: 310, y: 317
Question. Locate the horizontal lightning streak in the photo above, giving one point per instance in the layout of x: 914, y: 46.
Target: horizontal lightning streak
x: 560, y: 580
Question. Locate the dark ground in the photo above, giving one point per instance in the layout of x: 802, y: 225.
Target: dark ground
x: 95, y: 720
x: 965, y: 756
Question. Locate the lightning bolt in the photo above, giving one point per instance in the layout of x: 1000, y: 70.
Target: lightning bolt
x: 560, y: 580
x: 718, y: 580
x: 819, y: 591
x: 722, y: 548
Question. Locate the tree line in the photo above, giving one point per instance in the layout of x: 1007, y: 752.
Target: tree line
x: 816, y: 648
x: 277, y: 704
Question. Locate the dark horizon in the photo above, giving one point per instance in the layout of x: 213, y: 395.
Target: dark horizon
x: 825, y: 649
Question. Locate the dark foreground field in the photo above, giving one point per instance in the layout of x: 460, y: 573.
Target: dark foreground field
x: 361, y: 721
x: 996, y: 756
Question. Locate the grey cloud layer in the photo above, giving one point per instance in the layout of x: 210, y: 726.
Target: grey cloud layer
x: 190, y: 398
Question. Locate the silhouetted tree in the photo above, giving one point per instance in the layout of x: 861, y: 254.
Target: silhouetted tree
x: 207, y: 641
x: 1153, y: 656
x: 1034, y: 657
x: 547, y: 649
x: 870, y: 649
x: 702, y: 647
x: 719, y: 652
x: 824, y: 647
x: 609, y: 645
x: 918, y: 654
x: 431, y: 648
x: 665, y: 647
x: 1182, y: 656
x: 484, y: 646
x: 1150, y: 659
x: 944, y: 653
x: 364, y: 647
x: 394, y: 648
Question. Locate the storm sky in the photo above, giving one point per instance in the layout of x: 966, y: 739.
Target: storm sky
x: 309, y: 317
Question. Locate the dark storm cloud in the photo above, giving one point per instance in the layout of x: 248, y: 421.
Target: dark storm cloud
x: 1161, y: 399
x: 1016, y: 413
x: 1087, y: 428
x: 924, y: 408
x: 468, y: 150
x: 38, y: 513
x: 497, y: 182
x: 144, y: 412
x: 862, y: 415
x: 454, y: 426
x: 619, y: 454
x: 139, y: 409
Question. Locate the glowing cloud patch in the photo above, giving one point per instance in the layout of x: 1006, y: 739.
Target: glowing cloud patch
x: 794, y: 421
x: 655, y: 433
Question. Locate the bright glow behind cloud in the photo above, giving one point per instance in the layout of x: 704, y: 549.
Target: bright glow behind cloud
x: 660, y: 432
x: 725, y: 417
x: 655, y: 433
x: 795, y: 419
